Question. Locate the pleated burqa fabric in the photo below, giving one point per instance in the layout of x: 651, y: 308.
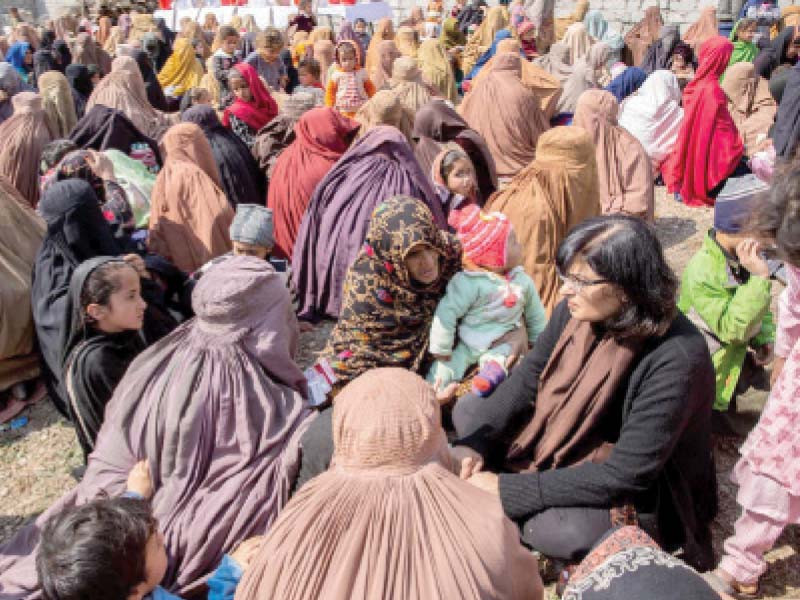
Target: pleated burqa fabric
x: 548, y: 198
x: 389, y: 519
x: 624, y: 170
x: 217, y: 408
x: 513, y: 124
x: 750, y: 103
x: 58, y: 104
x: 104, y: 128
x: 21, y: 234
x: 380, y: 166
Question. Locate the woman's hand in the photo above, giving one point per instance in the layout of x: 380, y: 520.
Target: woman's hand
x: 137, y: 263
x: 445, y: 395
x: 488, y: 482
x: 139, y: 480
x: 101, y: 165
x: 518, y: 340
x: 777, y: 367
x: 465, y: 461
x: 245, y: 551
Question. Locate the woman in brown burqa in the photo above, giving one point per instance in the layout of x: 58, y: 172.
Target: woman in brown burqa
x: 24, y: 136
x: 381, y: 73
x: 546, y: 199
x: 624, y: 170
x: 750, y: 103
x: 217, y: 408
x: 190, y: 217
x: 506, y: 114
x: 435, y: 125
x: 87, y: 52
x: 384, y: 30
x: 641, y: 35
x: 407, y: 84
x: 389, y: 517
x: 124, y: 90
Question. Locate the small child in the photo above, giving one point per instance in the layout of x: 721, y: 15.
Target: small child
x: 309, y: 72
x: 483, y: 302
x: 303, y: 20
x: 266, y: 59
x: 349, y: 86
x: 360, y: 28
x: 111, y: 549
x: 454, y: 180
x: 198, y: 95
x: 725, y: 292
x: 223, y: 60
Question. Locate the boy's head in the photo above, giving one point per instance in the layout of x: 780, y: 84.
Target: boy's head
x: 488, y: 239
x: 228, y: 39
x: 746, y: 30
x: 251, y: 231
x: 304, y: 6
x: 360, y: 25
x: 735, y: 203
x: 270, y: 43
x: 107, y: 549
x: 308, y: 71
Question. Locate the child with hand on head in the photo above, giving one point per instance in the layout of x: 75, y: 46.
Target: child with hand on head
x: 483, y: 302
x: 349, y: 87
x: 111, y: 549
x: 309, y: 73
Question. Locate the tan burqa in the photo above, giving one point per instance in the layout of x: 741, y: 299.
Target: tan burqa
x: 407, y: 42
x: 24, y: 135
x: 211, y: 83
x: 597, y: 60
x: 85, y: 51
x: 705, y: 27
x: 546, y: 86
x: 506, y: 114
x: 641, y: 35
x: 624, y: 170
x: 577, y: 16
x: 556, y: 62
x: 194, y: 33
x: 546, y: 199
x: 21, y: 233
x: 384, y: 30
x: 750, y: 104
x: 57, y: 103
x: 381, y: 73
x: 389, y: 520
x: 496, y: 19
x: 578, y: 41
x: 123, y: 89
x: 324, y: 54
x: 103, y: 30
x: 190, y: 216
x: 407, y: 84
x: 385, y: 108
x: 436, y: 69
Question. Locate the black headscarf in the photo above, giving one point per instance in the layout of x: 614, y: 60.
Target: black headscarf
x: 62, y: 54
x: 291, y: 72
x: 777, y: 83
x: 154, y: 92
x: 773, y: 56
x: 472, y: 14
x: 242, y: 181
x: 76, y: 231
x: 102, y: 128
x: 80, y: 82
x: 659, y: 53
x: 43, y: 61
x: 166, y: 34
x: 95, y: 361
x: 786, y: 134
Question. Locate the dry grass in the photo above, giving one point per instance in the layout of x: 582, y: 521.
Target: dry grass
x: 37, y: 461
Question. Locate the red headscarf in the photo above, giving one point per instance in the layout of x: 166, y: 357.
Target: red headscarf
x: 257, y: 112
x: 709, y: 146
x: 322, y: 135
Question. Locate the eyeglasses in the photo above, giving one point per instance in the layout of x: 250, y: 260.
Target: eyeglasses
x: 578, y: 284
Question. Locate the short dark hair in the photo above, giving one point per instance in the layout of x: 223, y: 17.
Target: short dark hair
x: 270, y: 38
x: 777, y: 216
x: 625, y: 251
x: 53, y: 152
x: 227, y: 31
x: 311, y: 65
x: 96, y: 550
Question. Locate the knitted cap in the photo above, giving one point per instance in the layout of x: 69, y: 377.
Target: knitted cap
x: 252, y: 225
x: 736, y: 201
x: 484, y: 236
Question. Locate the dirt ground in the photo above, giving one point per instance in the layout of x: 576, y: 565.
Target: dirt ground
x: 37, y: 461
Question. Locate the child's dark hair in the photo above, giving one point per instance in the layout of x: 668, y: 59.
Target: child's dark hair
x: 100, y: 284
x: 53, y: 152
x: 746, y: 24
x: 96, y: 550
x: 360, y: 21
x: 270, y: 38
x: 312, y: 66
x: 227, y: 31
x: 778, y: 214
x: 449, y: 162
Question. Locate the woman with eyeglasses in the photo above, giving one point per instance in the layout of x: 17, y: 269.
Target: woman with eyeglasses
x: 607, y: 420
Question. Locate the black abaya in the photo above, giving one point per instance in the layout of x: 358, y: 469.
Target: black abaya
x: 786, y: 133
x: 102, y: 128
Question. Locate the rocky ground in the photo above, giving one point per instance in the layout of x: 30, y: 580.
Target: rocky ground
x: 37, y: 462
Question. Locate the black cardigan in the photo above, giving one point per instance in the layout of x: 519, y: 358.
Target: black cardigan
x: 662, y: 459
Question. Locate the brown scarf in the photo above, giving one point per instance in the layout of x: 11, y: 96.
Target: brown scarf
x: 576, y: 389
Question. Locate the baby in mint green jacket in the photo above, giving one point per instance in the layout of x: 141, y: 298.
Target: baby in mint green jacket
x: 485, y: 301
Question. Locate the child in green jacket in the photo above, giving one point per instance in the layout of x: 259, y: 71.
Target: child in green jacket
x: 725, y: 291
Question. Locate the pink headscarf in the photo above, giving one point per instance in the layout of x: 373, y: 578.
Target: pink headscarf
x: 257, y: 112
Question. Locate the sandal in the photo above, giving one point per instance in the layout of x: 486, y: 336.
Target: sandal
x: 733, y: 588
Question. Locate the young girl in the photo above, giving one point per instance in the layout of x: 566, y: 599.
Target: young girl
x: 768, y: 473
x: 454, y: 179
x: 349, y: 87
x: 682, y: 64
x: 105, y: 311
x: 483, y: 302
x: 744, y: 50
x: 253, y: 106
x: 223, y: 59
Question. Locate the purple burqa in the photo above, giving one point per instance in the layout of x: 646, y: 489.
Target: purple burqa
x: 217, y: 407
x: 377, y: 168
